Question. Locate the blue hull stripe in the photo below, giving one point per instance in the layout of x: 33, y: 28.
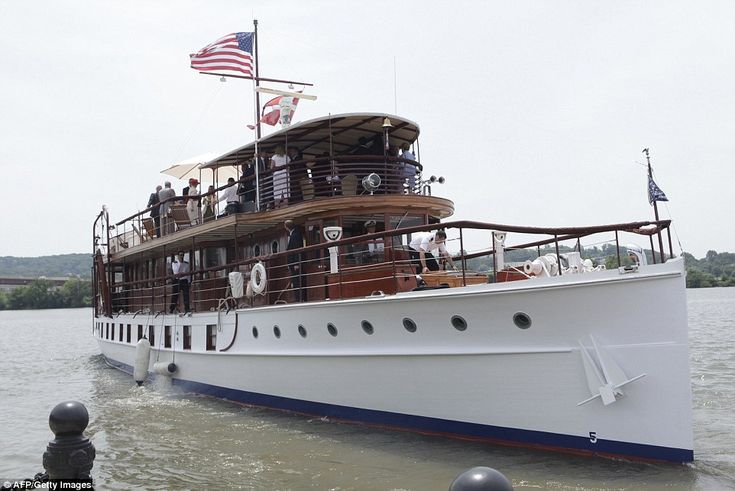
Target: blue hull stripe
x: 498, y: 434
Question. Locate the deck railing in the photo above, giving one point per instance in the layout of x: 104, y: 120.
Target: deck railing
x: 299, y: 181
x: 379, y: 263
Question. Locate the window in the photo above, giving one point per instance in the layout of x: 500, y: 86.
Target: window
x: 367, y: 327
x: 167, y: 336
x: 187, y: 337
x: 120, y: 336
x: 107, y: 330
x: 140, y: 332
x: 211, y: 337
x: 127, y: 335
x: 151, y: 334
x: 332, y: 329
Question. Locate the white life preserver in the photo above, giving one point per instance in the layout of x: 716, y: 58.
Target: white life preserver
x: 258, y: 278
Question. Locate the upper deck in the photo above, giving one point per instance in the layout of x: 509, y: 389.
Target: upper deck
x: 335, y: 155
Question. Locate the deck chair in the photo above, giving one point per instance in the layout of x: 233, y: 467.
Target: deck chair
x: 180, y: 216
x: 140, y: 236
x: 349, y: 185
x: 307, y: 189
x: 150, y: 228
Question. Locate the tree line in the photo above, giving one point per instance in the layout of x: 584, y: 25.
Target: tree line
x: 41, y: 294
x: 714, y: 270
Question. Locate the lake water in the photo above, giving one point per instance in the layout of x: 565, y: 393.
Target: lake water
x: 154, y: 438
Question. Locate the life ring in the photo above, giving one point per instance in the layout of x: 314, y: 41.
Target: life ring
x: 258, y: 278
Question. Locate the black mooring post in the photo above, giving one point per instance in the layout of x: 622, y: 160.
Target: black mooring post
x: 70, y: 455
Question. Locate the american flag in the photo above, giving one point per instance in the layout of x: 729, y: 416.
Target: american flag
x: 233, y: 52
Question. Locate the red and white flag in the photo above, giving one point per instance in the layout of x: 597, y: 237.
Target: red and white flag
x: 274, y: 115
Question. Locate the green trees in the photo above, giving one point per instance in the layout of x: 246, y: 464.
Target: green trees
x: 40, y: 294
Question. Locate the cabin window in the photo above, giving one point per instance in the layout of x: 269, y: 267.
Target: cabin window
x: 167, y: 336
x: 459, y: 323
x: 367, y: 327
x: 277, y: 331
x: 218, y: 256
x: 401, y: 221
x: 522, y: 320
x: 127, y: 334
x: 187, y: 337
x: 120, y: 338
x: 332, y: 329
x: 107, y: 330
x: 409, y: 324
x: 140, y: 332
x: 256, y: 250
x: 151, y: 335
x: 364, y: 252
x: 302, y: 331
x: 211, y: 337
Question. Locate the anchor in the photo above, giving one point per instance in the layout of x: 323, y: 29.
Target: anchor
x: 604, y: 377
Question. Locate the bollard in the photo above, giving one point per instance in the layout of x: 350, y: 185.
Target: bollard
x: 70, y: 455
x: 481, y: 479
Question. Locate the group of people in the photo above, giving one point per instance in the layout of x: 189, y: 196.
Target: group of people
x: 199, y: 208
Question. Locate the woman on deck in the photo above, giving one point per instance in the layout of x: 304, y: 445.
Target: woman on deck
x: 279, y: 164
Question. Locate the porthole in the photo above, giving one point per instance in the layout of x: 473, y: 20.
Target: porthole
x: 277, y: 331
x: 459, y: 323
x: 409, y: 324
x: 522, y: 320
x: 332, y: 329
x: 367, y: 327
x: 302, y: 331
x: 255, y: 332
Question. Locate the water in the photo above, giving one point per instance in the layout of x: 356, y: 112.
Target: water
x: 155, y: 438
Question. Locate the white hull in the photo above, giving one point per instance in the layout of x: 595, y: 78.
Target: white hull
x: 491, y: 381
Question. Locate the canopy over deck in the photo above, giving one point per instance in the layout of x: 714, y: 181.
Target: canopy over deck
x: 338, y: 134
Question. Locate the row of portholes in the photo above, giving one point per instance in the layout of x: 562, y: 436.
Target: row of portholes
x: 520, y: 319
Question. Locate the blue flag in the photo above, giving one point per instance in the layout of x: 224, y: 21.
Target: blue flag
x: 654, y: 192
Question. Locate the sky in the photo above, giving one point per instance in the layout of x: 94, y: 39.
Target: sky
x: 535, y: 112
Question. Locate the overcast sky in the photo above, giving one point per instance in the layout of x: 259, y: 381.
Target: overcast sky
x: 535, y: 112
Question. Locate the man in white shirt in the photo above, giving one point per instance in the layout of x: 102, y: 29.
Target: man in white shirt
x: 422, y: 243
x: 229, y: 196
x: 181, y: 283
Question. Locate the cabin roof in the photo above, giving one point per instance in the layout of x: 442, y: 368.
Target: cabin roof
x: 336, y: 134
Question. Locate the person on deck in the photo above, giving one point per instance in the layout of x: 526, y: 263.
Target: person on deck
x: 181, y: 284
x: 296, y: 172
x: 422, y: 243
x: 155, y: 210
x: 279, y: 164
x: 167, y: 224
x: 208, y: 203
x: 295, y: 241
x: 229, y: 196
x: 193, y: 204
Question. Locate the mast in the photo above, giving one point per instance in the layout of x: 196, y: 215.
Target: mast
x: 257, y: 83
x: 655, y: 211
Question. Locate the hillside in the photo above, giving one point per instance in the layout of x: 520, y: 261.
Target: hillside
x: 49, y: 266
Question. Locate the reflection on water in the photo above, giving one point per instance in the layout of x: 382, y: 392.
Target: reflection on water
x: 157, y: 437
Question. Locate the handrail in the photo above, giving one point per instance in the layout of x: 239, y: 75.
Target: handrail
x: 580, y: 232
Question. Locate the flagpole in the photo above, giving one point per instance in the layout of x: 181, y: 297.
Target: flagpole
x: 257, y: 119
x: 257, y: 82
x: 655, y: 211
